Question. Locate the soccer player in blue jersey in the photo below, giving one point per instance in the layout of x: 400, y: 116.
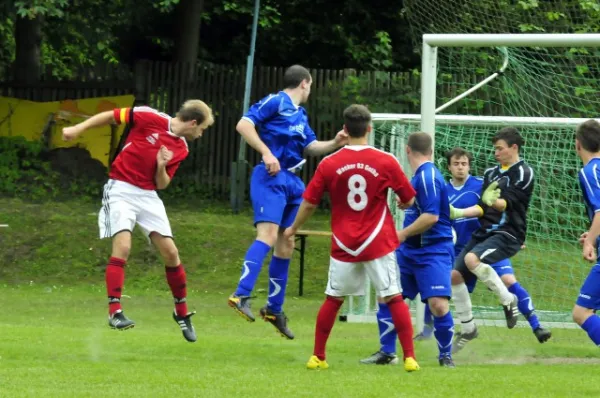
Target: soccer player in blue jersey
x: 426, y: 251
x: 587, y: 144
x: 277, y: 127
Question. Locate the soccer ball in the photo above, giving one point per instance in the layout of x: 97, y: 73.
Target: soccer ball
x: 453, y: 235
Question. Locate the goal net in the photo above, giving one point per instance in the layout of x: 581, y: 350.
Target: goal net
x: 550, y: 266
x: 544, y: 89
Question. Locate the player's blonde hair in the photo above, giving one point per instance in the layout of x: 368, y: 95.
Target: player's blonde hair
x: 196, y: 110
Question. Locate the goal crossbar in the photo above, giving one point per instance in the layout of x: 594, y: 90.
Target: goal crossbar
x: 429, y: 57
x: 453, y: 120
x: 512, y: 40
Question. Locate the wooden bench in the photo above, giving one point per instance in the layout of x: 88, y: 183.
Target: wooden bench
x: 301, y: 235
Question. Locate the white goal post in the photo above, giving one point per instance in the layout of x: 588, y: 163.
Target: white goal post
x: 429, y: 59
x: 428, y: 118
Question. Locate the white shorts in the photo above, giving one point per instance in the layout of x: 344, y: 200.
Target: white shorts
x: 124, y: 205
x: 348, y: 279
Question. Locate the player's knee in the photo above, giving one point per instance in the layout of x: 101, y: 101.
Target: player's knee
x: 387, y: 299
x: 284, y: 248
x: 471, y: 260
x: 267, y: 233
x: 581, y: 314
x: 335, y: 298
x: 457, y: 278
x: 439, y: 306
x: 121, y: 245
x: 171, y: 255
x: 508, y: 280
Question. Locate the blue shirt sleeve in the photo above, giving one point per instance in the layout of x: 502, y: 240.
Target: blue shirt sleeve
x: 310, y: 134
x: 428, y: 192
x: 589, y: 180
x: 263, y: 110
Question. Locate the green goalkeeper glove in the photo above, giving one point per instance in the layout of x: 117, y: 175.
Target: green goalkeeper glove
x: 456, y: 213
x: 491, y: 194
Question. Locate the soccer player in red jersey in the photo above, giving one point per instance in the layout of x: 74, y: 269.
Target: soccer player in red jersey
x: 364, y: 239
x: 154, y: 149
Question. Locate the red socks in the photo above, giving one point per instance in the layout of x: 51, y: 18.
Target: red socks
x: 401, y: 318
x: 115, y: 277
x: 325, y: 321
x: 176, y: 279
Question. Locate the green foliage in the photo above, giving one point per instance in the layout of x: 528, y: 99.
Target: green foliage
x: 383, y: 91
x: 22, y: 172
x: 34, y: 8
x: 26, y: 172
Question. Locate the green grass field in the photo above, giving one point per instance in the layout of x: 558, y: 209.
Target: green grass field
x: 54, y: 341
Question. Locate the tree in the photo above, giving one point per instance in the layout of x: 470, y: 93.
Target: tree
x: 28, y: 35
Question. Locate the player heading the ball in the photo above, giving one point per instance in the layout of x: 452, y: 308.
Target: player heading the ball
x: 154, y: 149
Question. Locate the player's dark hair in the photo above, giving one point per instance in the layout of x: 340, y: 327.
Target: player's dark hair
x: 588, y: 135
x: 510, y: 135
x: 357, y: 119
x: 294, y: 75
x: 458, y: 152
x: 420, y: 142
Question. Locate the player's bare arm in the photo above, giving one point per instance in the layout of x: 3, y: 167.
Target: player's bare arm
x: 98, y: 120
x: 248, y: 131
x: 305, y: 211
x: 589, y: 242
x: 163, y: 157
x: 424, y: 222
x: 317, y: 148
x: 404, y: 205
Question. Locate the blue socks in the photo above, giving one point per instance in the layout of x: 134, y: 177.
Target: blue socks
x: 592, y: 327
x: 255, y: 256
x: 525, y: 305
x: 278, y: 276
x: 443, y: 330
x: 387, y: 331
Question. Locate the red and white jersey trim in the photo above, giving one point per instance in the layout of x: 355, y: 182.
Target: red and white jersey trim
x: 367, y: 242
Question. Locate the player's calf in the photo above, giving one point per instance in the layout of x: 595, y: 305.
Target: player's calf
x: 587, y: 319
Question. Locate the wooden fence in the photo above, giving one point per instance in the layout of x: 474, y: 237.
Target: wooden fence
x: 166, y: 85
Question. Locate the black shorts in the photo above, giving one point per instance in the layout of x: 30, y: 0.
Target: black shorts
x: 490, y: 250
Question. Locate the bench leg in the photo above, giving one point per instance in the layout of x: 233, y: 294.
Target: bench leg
x: 301, y: 279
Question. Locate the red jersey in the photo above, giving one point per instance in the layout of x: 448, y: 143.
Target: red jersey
x: 149, y: 130
x: 357, y: 178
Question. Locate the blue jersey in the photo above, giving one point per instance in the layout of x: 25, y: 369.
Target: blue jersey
x: 432, y: 198
x: 462, y: 197
x: 283, y: 127
x: 589, y: 180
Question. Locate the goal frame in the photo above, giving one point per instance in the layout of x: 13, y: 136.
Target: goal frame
x: 397, y: 149
x: 428, y: 117
x: 431, y: 42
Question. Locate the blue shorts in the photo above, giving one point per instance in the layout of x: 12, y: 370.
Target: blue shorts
x: 589, y: 295
x: 502, y: 267
x: 275, y: 199
x: 426, y: 270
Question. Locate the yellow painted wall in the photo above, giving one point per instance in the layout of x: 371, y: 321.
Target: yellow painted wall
x: 27, y: 119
